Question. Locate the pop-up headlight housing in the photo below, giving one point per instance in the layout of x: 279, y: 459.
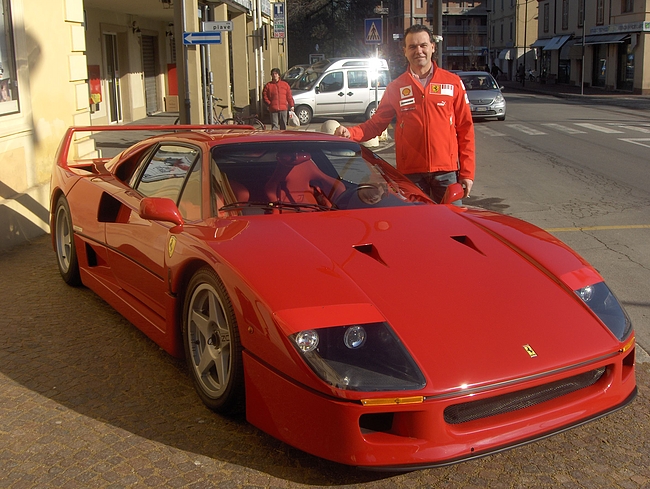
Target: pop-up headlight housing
x: 606, y: 306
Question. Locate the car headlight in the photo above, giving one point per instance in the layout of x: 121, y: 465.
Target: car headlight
x: 605, y: 305
x: 499, y: 99
x: 359, y: 357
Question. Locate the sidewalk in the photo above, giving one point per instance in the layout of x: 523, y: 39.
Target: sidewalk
x: 590, y: 95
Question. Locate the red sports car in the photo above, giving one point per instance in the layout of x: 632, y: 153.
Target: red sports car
x: 311, y: 285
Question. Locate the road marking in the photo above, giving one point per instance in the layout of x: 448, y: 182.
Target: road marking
x: 561, y: 128
x: 641, y: 142
x: 595, y: 127
x: 632, y: 128
x: 525, y: 129
x: 487, y: 131
x: 598, y: 228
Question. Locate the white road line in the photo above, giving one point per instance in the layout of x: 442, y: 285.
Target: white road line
x: 641, y: 142
x: 595, y: 127
x: 645, y: 130
x: 566, y: 129
x: 486, y: 130
x: 527, y: 130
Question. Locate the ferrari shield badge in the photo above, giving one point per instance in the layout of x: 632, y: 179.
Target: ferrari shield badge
x: 171, y: 246
x: 530, y: 351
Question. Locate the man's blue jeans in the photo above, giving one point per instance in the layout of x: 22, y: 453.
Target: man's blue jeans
x: 435, y: 183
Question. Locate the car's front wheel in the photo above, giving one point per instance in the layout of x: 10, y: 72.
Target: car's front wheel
x: 212, y: 346
x: 304, y: 114
x: 66, y: 252
x: 370, y: 111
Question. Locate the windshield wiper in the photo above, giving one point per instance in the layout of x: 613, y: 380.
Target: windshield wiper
x: 276, y: 205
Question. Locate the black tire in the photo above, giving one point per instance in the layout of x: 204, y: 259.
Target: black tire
x: 212, y: 346
x: 256, y: 123
x: 304, y: 114
x: 229, y: 122
x: 501, y: 118
x: 66, y: 253
x: 370, y: 111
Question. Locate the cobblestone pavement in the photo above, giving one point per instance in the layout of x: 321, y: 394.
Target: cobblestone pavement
x: 87, y: 401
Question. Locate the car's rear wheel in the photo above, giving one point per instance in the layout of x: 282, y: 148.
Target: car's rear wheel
x: 212, y: 346
x: 304, y: 114
x: 370, y: 111
x: 66, y: 252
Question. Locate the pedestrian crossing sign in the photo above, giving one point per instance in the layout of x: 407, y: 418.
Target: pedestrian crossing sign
x: 373, y: 31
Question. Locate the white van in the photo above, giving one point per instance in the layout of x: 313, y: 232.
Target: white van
x: 340, y: 87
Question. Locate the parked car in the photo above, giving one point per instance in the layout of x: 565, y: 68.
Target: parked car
x: 484, y: 93
x: 294, y: 73
x: 340, y: 87
x: 310, y: 285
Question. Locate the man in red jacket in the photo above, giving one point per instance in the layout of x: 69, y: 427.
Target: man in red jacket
x: 278, y: 99
x: 434, y: 134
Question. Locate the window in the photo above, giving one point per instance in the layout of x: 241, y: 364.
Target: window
x: 511, y: 30
x: 501, y: 32
x: 165, y: 173
x: 418, y: 4
x: 546, y: 17
x: 332, y: 82
x: 600, y: 12
x: 581, y: 14
x: 8, y: 80
x: 357, y: 79
x: 627, y: 6
x: 565, y: 14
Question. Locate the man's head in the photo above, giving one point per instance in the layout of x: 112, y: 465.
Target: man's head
x: 275, y: 74
x: 419, y: 48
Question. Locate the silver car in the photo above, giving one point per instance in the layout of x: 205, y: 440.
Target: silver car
x: 485, y: 97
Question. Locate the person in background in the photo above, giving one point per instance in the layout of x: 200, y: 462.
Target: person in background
x: 278, y: 100
x: 495, y: 71
x: 434, y: 133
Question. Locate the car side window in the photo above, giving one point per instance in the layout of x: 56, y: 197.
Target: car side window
x: 357, y: 79
x: 332, y: 82
x: 165, y: 173
x: 190, y: 203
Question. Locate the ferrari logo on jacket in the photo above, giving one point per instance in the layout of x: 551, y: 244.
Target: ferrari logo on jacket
x: 446, y: 89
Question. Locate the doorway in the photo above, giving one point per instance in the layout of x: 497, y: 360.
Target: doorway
x: 149, y: 63
x: 113, y: 79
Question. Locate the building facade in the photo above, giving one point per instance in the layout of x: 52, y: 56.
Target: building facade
x: 96, y: 62
x: 512, y: 26
x: 600, y: 43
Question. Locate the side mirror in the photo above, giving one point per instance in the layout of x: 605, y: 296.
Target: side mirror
x: 454, y: 192
x: 160, y: 209
x: 317, y: 89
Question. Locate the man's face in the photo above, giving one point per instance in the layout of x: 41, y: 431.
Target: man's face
x: 275, y: 76
x: 418, y: 50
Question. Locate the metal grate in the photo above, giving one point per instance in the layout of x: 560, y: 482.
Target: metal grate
x: 470, y: 411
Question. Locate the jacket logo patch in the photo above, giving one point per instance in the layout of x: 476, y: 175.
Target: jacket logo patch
x: 442, y: 103
x: 407, y: 101
x: 406, y: 91
x: 445, y: 89
x: 171, y: 246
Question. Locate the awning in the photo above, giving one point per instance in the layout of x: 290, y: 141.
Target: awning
x: 540, y: 43
x: 556, y: 43
x: 565, y: 52
x: 505, y: 54
x: 606, y: 38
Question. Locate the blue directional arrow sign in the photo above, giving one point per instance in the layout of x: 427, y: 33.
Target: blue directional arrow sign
x: 193, y: 38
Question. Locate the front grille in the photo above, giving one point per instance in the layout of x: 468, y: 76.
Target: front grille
x: 470, y: 411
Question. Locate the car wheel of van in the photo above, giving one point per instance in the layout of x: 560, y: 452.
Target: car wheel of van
x: 304, y: 114
x: 370, y: 111
x: 213, y: 349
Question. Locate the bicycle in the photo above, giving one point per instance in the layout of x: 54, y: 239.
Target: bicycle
x: 236, y: 119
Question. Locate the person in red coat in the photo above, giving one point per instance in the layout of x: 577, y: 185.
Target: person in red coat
x: 278, y: 100
x: 434, y: 133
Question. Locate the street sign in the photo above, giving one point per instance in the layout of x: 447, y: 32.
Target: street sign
x: 194, y: 38
x: 221, y: 25
x: 373, y: 31
x: 279, y: 23
x: 379, y: 10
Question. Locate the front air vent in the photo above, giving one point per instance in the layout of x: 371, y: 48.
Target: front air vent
x: 370, y: 250
x: 462, y: 239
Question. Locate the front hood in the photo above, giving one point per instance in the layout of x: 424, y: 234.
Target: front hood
x: 482, y: 97
x: 455, y: 292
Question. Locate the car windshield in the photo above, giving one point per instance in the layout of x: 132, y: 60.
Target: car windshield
x: 296, y: 176
x: 307, y: 80
x: 479, y: 82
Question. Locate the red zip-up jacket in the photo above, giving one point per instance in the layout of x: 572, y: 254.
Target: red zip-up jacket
x: 434, y: 130
x: 277, y: 96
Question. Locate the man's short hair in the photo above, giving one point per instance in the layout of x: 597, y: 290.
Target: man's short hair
x: 415, y: 28
x: 275, y: 70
